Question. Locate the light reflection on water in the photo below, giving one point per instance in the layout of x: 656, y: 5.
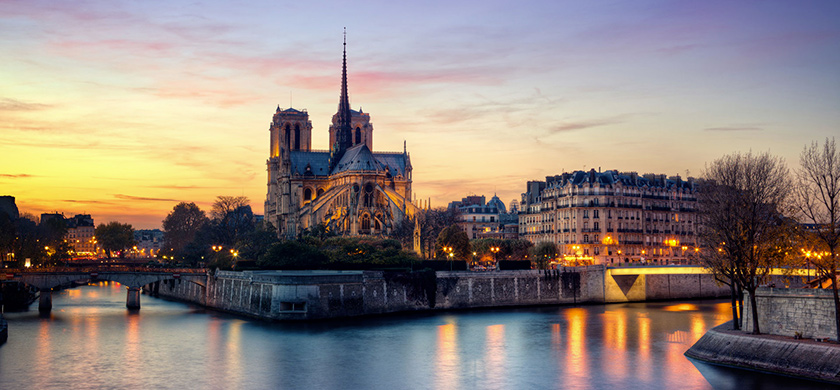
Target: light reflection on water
x: 90, y: 340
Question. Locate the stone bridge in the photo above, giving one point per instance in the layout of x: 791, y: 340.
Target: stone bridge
x: 134, y: 278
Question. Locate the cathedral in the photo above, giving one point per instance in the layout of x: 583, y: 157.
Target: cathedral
x: 349, y: 188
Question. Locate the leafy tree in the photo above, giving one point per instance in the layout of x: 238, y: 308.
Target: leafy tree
x: 7, y: 235
x: 27, y: 242
x: 115, y: 236
x: 543, y: 253
x: 182, y: 225
x: 256, y: 243
x: 292, y: 255
x: 817, y: 198
x: 52, y: 231
x: 742, y: 223
x: 455, y: 238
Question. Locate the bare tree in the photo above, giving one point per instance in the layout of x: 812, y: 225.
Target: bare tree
x: 817, y: 198
x: 742, y: 224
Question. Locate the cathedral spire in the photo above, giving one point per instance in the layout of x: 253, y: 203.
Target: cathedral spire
x: 344, y: 131
x: 344, y: 116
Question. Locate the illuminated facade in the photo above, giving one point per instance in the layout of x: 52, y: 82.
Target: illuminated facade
x: 349, y: 188
x: 80, y: 235
x: 611, y: 217
x: 485, y: 220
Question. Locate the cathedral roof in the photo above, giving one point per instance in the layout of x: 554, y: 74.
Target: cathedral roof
x: 318, y: 162
x: 358, y: 158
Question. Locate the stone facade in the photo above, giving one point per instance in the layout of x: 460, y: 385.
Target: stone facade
x: 611, y: 217
x: 349, y: 188
x: 304, y: 295
x: 784, y: 312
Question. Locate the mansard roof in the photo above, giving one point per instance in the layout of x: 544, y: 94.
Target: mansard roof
x: 610, y: 177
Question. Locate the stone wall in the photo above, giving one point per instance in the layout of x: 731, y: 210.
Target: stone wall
x: 660, y: 283
x: 294, y: 295
x: 804, y: 358
x: 785, y: 312
x: 4, y: 329
x: 329, y: 294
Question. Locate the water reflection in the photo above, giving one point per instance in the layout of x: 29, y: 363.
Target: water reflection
x: 494, y: 356
x: 576, y: 361
x: 447, y: 357
x: 91, y: 340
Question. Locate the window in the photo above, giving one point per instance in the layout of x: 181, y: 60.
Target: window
x: 594, y: 213
x: 297, y: 137
x: 307, y: 194
x: 358, y: 135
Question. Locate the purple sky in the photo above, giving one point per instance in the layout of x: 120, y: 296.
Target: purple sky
x: 122, y: 109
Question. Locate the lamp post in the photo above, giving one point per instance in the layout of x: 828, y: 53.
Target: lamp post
x: 449, y: 255
x: 495, y: 251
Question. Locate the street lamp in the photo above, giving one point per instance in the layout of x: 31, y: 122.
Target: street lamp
x: 495, y: 250
x: 449, y: 250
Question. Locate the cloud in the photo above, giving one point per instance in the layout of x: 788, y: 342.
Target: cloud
x: 143, y: 198
x: 733, y: 129
x: 8, y: 104
x: 580, y: 125
x: 15, y: 176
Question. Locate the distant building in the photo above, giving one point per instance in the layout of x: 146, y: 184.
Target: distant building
x: 611, y: 217
x: 80, y: 234
x: 349, y: 188
x: 9, y: 207
x: 485, y: 220
x: 149, y: 242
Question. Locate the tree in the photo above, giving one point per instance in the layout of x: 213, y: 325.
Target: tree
x: 432, y: 222
x: 233, y: 218
x: 115, y: 236
x: 455, y: 238
x: 742, y: 223
x: 182, y: 224
x: 817, y: 198
x: 543, y: 253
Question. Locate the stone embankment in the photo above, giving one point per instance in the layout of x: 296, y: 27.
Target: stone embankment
x: 305, y: 295
x: 4, y: 330
x: 791, y: 311
x: 769, y: 353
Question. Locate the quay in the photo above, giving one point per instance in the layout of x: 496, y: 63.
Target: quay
x: 312, y: 295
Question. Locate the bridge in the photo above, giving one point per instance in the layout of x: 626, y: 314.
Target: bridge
x: 134, y: 278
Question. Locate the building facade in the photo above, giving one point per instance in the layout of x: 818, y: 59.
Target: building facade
x: 81, y: 236
x: 485, y: 220
x: 349, y: 188
x: 149, y: 242
x: 612, y: 218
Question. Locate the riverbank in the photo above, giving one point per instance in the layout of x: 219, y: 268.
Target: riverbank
x: 783, y: 355
x: 311, y: 295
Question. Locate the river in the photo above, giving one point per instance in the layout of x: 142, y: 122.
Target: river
x: 91, y: 341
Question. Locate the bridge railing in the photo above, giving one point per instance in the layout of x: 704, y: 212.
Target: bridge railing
x: 94, y: 269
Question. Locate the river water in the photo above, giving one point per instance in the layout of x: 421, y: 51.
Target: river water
x: 91, y: 341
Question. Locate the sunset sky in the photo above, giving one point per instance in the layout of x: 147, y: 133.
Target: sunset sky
x: 122, y: 109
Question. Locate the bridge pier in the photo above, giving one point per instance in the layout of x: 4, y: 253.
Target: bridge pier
x: 132, y: 302
x: 45, y: 301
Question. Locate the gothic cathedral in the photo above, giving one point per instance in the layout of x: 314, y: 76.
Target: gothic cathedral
x: 350, y: 189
